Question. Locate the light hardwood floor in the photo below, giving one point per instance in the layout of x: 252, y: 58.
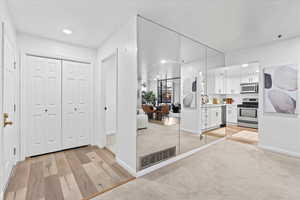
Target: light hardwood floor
x: 75, y: 174
x: 236, y: 133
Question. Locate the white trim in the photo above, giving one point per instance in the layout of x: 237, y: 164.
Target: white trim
x: 127, y: 167
x: 191, y: 131
x: 280, y: 151
x: 175, y: 159
x: 27, y: 52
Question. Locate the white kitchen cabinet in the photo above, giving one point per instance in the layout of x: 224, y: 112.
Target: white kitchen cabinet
x: 233, y: 80
x: 250, y: 74
x: 216, y: 80
x: 211, y: 82
x: 220, y: 81
x: 215, y: 115
x: 231, y: 114
x: 204, y: 118
x: 211, y: 117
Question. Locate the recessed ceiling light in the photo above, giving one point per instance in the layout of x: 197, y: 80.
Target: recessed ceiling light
x: 67, y: 31
x: 163, y: 61
x: 245, y: 65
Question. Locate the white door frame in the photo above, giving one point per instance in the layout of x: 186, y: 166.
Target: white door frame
x: 1, y: 109
x: 4, y: 36
x: 23, y: 127
x: 115, y: 53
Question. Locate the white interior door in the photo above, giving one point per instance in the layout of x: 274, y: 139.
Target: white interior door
x: 76, y: 104
x: 10, y: 137
x: 44, y: 105
x: 109, y: 67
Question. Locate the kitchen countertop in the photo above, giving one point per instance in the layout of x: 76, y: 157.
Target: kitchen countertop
x: 216, y: 105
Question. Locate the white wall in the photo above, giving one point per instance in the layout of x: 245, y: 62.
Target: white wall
x: 49, y: 47
x: 277, y: 132
x: 125, y: 40
x: 46, y: 47
x: 11, y: 33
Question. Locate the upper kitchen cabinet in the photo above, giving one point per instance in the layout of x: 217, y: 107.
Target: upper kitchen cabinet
x: 233, y: 79
x: 215, y: 72
x: 250, y: 73
x: 216, y: 79
x: 220, y: 81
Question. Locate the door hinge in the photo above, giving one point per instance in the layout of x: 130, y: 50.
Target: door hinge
x: 15, y: 107
x: 15, y: 151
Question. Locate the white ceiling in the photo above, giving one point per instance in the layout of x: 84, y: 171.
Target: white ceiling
x: 222, y: 24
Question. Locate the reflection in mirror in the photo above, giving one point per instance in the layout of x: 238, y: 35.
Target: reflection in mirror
x: 200, y: 117
x: 159, y: 94
x: 180, y: 96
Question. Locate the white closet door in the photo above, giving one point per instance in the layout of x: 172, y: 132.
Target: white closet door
x: 76, y: 104
x: 44, y: 99
x: 84, y: 104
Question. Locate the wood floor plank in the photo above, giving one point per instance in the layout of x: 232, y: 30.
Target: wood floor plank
x: 16, y: 195
x: 50, y: 167
x: 70, y: 188
x: 22, y: 175
x: 85, y: 184
x: 112, y: 171
x: 105, y: 156
x: 80, y: 153
x: 105, y: 166
x: 53, y: 191
x: 99, y: 177
x: 62, y: 164
x: 70, y: 175
x: 121, y: 171
x: 10, y: 196
x: 19, y: 177
x: 36, y: 183
x: 21, y: 194
x: 109, y: 165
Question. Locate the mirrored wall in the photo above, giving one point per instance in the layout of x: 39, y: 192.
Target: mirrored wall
x: 176, y: 111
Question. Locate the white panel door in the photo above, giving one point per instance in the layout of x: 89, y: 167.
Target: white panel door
x: 109, y: 67
x: 76, y: 103
x: 44, y: 99
x: 10, y: 137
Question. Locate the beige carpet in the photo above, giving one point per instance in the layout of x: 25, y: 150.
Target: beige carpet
x: 226, y: 171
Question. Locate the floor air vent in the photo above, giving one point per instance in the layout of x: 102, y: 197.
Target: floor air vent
x: 152, y: 159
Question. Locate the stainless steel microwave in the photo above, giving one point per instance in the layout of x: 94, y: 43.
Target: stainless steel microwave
x: 248, y: 88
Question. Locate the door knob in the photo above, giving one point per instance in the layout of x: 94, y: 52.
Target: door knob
x: 105, y: 108
x: 5, y: 122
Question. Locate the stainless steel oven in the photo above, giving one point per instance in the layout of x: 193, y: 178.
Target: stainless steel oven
x: 248, y: 113
x: 248, y: 88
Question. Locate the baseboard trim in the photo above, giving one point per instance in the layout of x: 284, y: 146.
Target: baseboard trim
x: 127, y: 167
x: 280, y: 151
x: 191, y: 131
x: 175, y: 159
